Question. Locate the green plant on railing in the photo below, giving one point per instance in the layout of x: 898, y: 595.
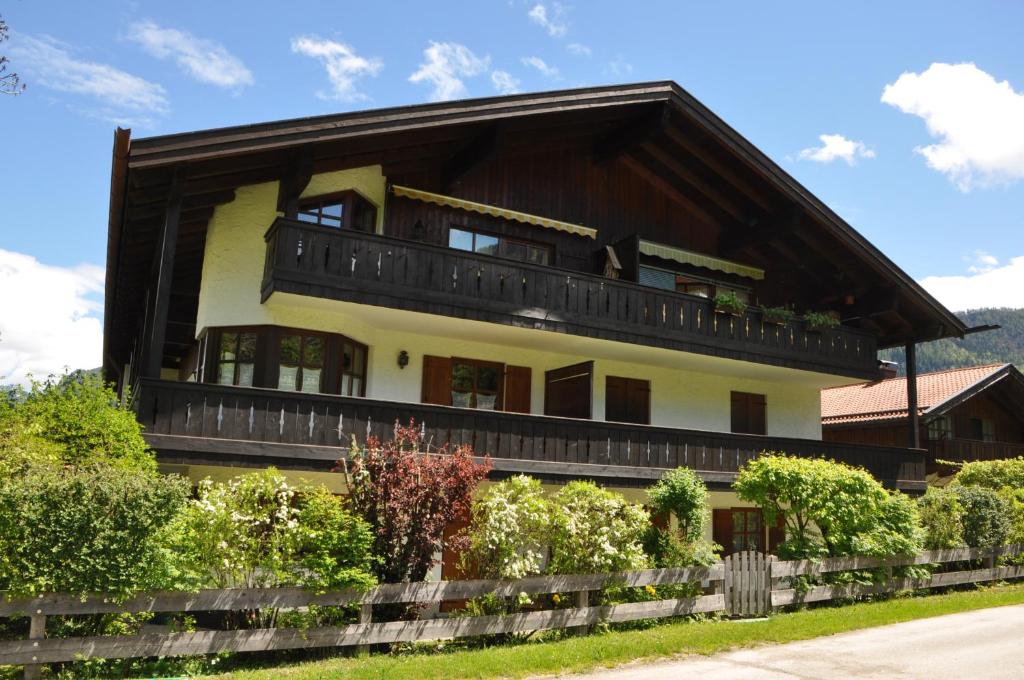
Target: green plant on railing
x: 730, y: 303
x: 777, y: 315
x: 820, y: 321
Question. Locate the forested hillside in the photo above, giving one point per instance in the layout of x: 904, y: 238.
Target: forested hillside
x: 1003, y: 345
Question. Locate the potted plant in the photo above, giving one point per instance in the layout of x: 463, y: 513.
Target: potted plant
x: 821, y: 321
x: 730, y: 303
x: 779, y: 316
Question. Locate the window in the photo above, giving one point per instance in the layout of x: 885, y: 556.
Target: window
x: 747, y: 529
x: 502, y: 246
x: 300, y: 363
x: 285, y: 358
x: 940, y: 428
x: 689, y: 284
x: 348, y: 209
x: 476, y: 384
x: 981, y: 429
x: 236, y: 359
x: 748, y: 413
x: 627, y: 400
x: 737, y: 529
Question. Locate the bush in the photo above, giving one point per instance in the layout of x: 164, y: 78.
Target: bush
x: 257, y: 531
x: 508, y: 536
x: 408, y: 496
x: 941, y: 519
x: 76, y: 420
x: 829, y: 508
x: 993, y: 474
x: 595, y: 531
x: 86, y: 530
x: 680, y: 493
x: 987, y: 516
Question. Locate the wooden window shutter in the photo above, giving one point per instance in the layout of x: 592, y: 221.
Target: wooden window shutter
x: 638, y: 395
x: 721, y: 528
x: 437, y: 380
x: 627, y: 400
x: 748, y: 413
x: 517, y: 388
x: 777, y: 533
x: 758, y: 412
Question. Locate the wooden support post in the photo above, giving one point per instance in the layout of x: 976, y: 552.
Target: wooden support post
x: 582, y: 600
x: 166, y: 246
x: 36, y: 631
x: 915, y: 430
x: 365, y: 616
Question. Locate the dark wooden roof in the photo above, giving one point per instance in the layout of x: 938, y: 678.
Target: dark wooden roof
x: 658, y: 129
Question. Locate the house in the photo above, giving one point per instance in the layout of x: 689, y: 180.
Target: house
x: 533, y: 274
x: 965, y: 414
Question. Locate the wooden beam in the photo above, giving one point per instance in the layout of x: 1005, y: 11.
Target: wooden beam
x: 666, y: 187
x: 164, y: 272
x: 630, y: 135
x: 739, y: 239
x: 294, y: 181
x: 478, y: 151
x: 915, y: 430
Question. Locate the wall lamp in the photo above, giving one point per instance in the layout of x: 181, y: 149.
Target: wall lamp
x: 403, y: 359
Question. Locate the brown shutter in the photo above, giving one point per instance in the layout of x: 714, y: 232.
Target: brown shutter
x: 639, y: 399
x: 721, y: 528
x: 437, y: 380
x: 738, y: 413
x: 627, y: 400
x: 757, y: 414
x: 567, y: 391
x: 517, y: 389
x: 615, y: 408
x: 748, y: 413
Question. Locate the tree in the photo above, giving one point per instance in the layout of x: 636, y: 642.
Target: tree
x: 10, y: 82
x: 408, y: 497
x: 987, y: 516
x: 680, y: 493
x: 508, y: 536
x: 594, y: 530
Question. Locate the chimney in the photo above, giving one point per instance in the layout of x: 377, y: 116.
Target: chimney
x: 888, y: 369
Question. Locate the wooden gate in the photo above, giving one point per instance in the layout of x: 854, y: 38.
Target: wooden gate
x: 747, y: 584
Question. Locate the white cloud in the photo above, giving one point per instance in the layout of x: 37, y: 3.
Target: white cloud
x: 343, y: 65
x: 977, y: 120
x: 445, y: 65
x: 205, y: 60
x: 546, y: 70
x: 836, y: 147
x: 504, y: 82
x: 49, y: 317
x: 981, y: 262
x: 552, y: 21
x: 578, y: 49
x: 618, y: 67
x: 52, y: 65
x: 991, y: 286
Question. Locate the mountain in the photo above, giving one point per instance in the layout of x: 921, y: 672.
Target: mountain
x: 1005, y: 345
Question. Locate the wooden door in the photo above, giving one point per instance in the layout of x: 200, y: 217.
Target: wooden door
x: 568, y: 391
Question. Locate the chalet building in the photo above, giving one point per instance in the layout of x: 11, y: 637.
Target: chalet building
x: 533, y: 274
x: 965, y: 414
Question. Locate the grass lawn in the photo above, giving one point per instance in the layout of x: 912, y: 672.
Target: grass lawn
x: 611, y: 649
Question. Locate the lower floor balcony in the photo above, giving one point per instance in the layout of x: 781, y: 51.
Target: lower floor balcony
x: 195, y: 423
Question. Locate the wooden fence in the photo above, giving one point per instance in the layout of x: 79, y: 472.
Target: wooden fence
x: 744, y: 584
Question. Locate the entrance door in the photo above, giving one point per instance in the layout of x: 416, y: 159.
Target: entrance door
x: 568, y: 391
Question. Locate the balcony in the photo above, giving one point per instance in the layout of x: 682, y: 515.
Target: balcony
x: 369, y: 269
x: 201, y: 423
x: 973, y: 449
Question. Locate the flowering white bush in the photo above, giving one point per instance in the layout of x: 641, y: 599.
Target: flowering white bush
x: 509, y: 531
x: 595, y: 530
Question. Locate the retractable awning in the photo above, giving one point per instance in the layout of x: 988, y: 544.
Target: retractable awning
x: 699, y: 260
x: 484, y: 209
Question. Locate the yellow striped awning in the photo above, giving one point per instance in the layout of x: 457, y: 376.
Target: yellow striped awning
x: 494, y: 211
x: 699, y: 260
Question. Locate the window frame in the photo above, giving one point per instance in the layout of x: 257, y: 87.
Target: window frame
x: 502, y: 239
x: 266, y: 371
x: 347, y: 199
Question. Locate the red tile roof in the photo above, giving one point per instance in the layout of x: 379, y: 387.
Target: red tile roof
x: 887, y: 399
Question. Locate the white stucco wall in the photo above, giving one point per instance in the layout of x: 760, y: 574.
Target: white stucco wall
x: 687, y: 390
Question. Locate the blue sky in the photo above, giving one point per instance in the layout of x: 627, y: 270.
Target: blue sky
x: 932, y: 175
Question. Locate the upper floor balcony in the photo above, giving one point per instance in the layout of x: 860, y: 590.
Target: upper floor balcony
x: 365, y: 268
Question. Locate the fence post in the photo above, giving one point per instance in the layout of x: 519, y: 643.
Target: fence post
x: 365, y: 616
x: 727, y: 586
x: 582, y: 599
x: 36, y: 631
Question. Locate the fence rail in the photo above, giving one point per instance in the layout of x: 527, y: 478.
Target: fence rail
x: 744, y: 584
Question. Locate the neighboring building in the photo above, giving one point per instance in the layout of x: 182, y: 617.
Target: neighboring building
x: 971, y: 413
x: 531, y: 274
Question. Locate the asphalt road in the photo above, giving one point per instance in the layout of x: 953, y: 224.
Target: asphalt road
x: 988, y: 643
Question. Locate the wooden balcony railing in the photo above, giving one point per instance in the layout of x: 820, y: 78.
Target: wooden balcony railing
x: 971, y: 449
x: 370, y: 269
x: 208, y: 422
